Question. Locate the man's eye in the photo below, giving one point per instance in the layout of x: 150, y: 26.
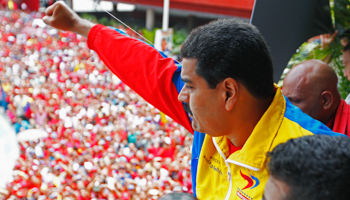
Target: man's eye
x: 294, y: 101
x: 189, y: 87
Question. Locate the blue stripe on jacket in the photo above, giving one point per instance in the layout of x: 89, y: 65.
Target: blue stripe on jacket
x: 295, y: 114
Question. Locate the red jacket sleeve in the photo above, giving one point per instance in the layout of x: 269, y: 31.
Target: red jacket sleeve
x: 142, y: 68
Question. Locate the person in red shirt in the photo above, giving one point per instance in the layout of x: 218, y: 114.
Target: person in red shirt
x: 312, y: 86
x: 168, y: 151
x: 155, y: 149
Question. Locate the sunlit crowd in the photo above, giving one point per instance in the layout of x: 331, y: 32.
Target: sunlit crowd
x: 103, y: 140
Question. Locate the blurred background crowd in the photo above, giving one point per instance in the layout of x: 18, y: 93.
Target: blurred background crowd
x: 83, y: 134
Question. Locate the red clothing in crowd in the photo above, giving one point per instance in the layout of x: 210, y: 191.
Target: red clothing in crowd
x: 340, y: 122
x: 168, y: 152
x: 32, y: 4
x: 155, y: 151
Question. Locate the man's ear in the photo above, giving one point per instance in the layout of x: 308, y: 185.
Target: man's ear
x: 231, y: 89
x: 327, y: 99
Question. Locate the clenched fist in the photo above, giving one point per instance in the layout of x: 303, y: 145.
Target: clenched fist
x: 60, y: 16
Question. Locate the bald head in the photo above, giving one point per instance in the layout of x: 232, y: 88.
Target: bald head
x: 314, y: 75
x: 312, y: 86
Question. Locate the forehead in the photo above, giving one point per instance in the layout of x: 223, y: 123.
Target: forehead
x: 188, y: 67
x: 297, y: 84
x: 293, y: 83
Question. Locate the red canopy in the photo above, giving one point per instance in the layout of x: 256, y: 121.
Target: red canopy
x: 238, y: 8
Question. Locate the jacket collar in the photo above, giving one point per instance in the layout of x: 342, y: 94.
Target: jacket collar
x: 253, y: 153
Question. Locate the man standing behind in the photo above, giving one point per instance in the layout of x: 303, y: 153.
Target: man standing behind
x: 226, y: 86
x: 312, y: 86
x: 304, y: 169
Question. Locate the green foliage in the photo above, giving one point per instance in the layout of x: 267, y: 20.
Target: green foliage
x: 178, y: 38
x: 105, y: 21
x: 330, y: 53
x: 89, y: 17
x: 149, y: 35
x: 114, y: 23
x: 343, y: 83
x: 342, y: 13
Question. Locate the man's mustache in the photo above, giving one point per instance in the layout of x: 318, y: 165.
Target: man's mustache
x: 187, y: 108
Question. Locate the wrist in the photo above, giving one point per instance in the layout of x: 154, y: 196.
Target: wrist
x: 83, y: 27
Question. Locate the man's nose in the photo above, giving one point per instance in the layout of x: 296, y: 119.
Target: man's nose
x: 183, y: 95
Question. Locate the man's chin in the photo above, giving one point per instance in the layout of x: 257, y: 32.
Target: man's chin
x: 195, y: 126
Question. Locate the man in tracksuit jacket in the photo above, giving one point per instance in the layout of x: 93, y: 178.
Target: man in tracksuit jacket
x: 225, y: 84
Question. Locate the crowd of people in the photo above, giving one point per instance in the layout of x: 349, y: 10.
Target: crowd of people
x: 104, y: 141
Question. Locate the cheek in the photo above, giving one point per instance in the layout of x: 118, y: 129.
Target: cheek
x: 195, y: 103
x: 194, y: 108
x: 303, y: 106
x: 313, y: 110
x: 198, y: 108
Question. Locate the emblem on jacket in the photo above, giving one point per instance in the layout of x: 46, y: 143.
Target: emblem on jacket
x: 252, y: 183
x: 251, y: 179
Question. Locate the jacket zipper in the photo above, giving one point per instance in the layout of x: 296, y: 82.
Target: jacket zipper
x: 228, y: 194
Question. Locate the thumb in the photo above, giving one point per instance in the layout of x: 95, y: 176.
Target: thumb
x: 47, y: 20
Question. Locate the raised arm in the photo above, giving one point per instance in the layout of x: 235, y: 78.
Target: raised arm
x: 137, y: 64
x: 142, y: 68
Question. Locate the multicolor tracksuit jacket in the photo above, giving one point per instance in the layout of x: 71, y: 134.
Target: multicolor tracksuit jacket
x: 215, y: 174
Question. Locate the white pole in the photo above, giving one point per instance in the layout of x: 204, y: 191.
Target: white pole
x: 70, y: 3
x: 166, y: 15
x: 150, y: 17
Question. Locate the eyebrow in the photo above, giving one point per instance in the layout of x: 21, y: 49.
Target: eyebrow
x: 186, y: 80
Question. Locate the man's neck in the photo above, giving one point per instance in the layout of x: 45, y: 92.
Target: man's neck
x: 251, y: 111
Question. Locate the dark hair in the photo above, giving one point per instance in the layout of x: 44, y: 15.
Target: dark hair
x: 177, y: 196
x: 231, y: 48
x: 314, y: 167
